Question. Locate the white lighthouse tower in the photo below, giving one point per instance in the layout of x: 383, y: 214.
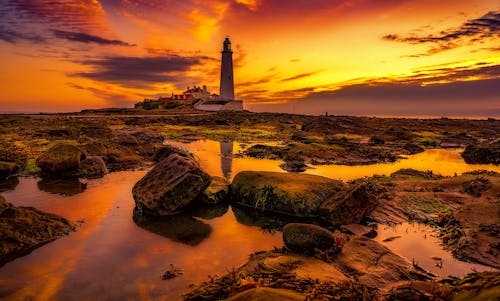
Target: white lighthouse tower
x: 226, y: 72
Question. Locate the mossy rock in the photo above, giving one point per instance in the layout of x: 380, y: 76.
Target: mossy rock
x: 297, y: 195
x: 60, y: 159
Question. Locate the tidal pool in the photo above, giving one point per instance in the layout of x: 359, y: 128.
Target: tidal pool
x: 113, y: 257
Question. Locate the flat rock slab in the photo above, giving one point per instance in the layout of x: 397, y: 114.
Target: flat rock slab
x: 23, y: 229
x: 374, y: 264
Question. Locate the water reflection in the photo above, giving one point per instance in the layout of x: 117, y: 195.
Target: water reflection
x: 181, y: 228
x: 8, y: 184
x: 446, y: 162
x: 66, y: 187
x: 207, y: 211
x: 266, y: 221
x: 226, y: 158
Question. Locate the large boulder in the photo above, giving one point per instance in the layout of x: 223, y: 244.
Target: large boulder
x: 93, y: 167
x: 61, y: 159
x: 485, y: 153
x: 170, y: 186
x: 350, y: 206
x: 23, y: 228
x: 305, y: 238
x: 297, y: 195
x: 7, y: 169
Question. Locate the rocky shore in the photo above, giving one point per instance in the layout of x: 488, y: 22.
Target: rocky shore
x: 329, y: 252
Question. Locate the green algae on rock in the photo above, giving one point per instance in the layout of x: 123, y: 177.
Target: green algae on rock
x: 292, y: 194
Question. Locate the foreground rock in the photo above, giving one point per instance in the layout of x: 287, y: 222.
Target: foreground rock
x: 22, y: 229
x: 352, y: 205
x: 374, y: 264
x: 305, y: 238
x: 298, y: 274
x: 485, y: 153
x: 62, y: 159
x: 265, y: 293
x: 473, y: 287
x: 170, y: 186
x: 297, y: 195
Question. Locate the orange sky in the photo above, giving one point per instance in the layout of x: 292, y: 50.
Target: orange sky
x: 369, y: 57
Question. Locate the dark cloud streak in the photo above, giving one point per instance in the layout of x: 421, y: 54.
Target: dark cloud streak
x: 485, y: 27
x: 141, y: 72
x: 87, y: 38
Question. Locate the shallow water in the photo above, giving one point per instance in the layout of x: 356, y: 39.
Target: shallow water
x: 446, y: 162
x: 114, y: 258
x: 419, y: 243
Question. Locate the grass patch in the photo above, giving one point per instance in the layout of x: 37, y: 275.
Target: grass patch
x: 426, y: 141
x: 428, y: 205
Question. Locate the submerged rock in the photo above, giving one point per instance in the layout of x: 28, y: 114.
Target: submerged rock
x: 297, y: 195
x: 62, y: 159
x: 22, y: 229
x: 294, y: 165
x: 485, y: 153
x: 92, y: 167
x: 170, y: 186
x: 410, y: 172
x: 357, y: 229
x: 305, y: 238
x: 7, y: 169
x: 350, y: 206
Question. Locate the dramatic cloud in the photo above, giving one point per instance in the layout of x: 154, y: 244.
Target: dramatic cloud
x: 141, y: 72
x: 11, y: 36
x: 485, y: 27
x: 87, y: 38
x: 412, y: 86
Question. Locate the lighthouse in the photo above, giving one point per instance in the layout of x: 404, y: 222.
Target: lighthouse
x: 226, y: 72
